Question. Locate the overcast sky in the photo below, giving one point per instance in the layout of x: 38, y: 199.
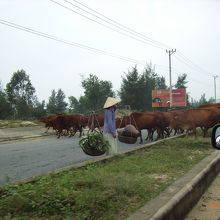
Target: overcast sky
x: 189, y: 26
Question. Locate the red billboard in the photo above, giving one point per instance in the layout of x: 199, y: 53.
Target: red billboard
x: 161, y: 98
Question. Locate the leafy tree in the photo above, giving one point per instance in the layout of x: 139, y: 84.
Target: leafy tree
x: 60, y: 101
x: 151, y: 80
x: 39, y: 109
x: 95, y: 92
x: 136, y: 89
x: 83, y: 100
x: 20, y: 87
x: 56, y: 102
x: 23, y: 110
x: 130, y: 88
x: 202, y: 100
x: 1, y: 87
x: 74, y: 105
x: 194, y: 103
x: 5, y: 107
x: 181, y: 81
x: 20, y: 93
x: 51, y: 106
x: 160, y: 83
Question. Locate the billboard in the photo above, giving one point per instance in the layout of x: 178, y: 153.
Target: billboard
x: 161, y: 98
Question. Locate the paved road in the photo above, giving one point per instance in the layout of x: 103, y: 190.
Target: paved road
x: 26, y: 158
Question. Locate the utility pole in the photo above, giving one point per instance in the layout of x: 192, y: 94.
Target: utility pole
x: 215, y: 76
x: 170, y: 52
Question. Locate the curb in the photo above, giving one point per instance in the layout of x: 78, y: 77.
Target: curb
x: 178, y: 199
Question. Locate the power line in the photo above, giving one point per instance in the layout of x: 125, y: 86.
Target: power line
x: 117, y: 24
x: 118, y: 31
x: 122, y: 27
x: 51, y: 37
x: 190, y: 64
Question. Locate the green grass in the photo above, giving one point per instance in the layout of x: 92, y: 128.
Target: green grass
x: 16, y: 123
x: 107, y: 190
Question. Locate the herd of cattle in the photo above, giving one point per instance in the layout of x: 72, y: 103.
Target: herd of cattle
x: 163, y: 123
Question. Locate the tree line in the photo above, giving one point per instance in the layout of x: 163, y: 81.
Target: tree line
x: 19, y: 101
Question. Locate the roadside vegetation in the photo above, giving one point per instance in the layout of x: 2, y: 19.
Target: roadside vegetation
x: 17, y: 123
x: 106, y: 190
x: 18, y: 99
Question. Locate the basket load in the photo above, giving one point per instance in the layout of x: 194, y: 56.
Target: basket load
x: 94, y: 144
x: 128, y: 134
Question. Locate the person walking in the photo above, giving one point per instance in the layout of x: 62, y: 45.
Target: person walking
x: 109, y: 130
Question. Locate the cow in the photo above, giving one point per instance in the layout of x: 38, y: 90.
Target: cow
x: 145, y: 120
x: 47, y: 121
x: 169, y: 119
x: 210, y: 105
x: 191, y: 119
x: 68, y: 123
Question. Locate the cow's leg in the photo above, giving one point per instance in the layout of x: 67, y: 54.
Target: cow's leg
x: 158, y: 134
x: 73, y: 131
x: 168, y: 131
x: 149, y: 134
x: 205, y: 130
x: 194, y: 131
x: 59, y: 133
x: 141, y: 140
x: 47, y: 129
x: 80, y: 131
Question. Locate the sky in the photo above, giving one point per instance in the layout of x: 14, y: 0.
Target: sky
x: 132, y: 32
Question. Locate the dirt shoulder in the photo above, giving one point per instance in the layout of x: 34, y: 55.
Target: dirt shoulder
x: 23, y: 132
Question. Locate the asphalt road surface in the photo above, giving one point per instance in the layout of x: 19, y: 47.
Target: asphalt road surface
x: 26, y: 158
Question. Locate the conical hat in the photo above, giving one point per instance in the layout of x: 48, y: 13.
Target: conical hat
x: 110, y: 101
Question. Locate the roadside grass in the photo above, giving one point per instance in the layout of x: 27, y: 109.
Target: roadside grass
x: 17, y: 123
x: 106, y: 190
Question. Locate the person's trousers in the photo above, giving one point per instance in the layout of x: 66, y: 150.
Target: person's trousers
x: 113, y: 144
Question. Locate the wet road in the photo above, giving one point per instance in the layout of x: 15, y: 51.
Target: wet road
x: 26, y: 158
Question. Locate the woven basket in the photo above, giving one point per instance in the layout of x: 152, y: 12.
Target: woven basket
x: 127, y: 140
x: 93, y: 151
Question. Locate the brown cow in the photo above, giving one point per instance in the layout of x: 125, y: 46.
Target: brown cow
x: 210, y: 105
x: 69, y: 123
x: 76, y: 122
x: 47, y: 121
x: 169, y: 119
x: 145, y: 120
x: 189, y: 120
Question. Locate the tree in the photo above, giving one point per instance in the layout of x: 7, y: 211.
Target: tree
x: 20, y: 93
x: 136, y: 89
x: 202, y: 100
x: 60, y: 101
x: 5, y: 107
x: 130, y: 88
x: 74, y: 105
x: 39, y: 109
x: 1, y: 87
x: 95, y: 92
x: 56, y: 102
x: 160, y: 82
x: 51, y: 106
x: 181, y: 81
